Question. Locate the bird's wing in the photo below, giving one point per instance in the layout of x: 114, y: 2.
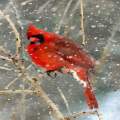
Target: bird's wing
x: 73, y: 53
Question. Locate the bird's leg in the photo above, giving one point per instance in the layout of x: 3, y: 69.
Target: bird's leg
x: 64, y: 70
x: 49, y: 73
x: 61, y: 70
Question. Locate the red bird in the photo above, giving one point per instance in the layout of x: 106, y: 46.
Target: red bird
x: 53, y: 52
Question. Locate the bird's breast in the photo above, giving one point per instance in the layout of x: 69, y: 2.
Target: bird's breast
x: 45, y: 57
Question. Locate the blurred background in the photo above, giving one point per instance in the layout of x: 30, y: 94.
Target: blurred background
x: 102, y: 30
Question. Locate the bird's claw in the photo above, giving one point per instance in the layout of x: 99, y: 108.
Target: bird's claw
x: 49, y: 73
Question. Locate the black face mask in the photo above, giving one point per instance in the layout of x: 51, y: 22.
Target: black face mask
x: 40, y: 38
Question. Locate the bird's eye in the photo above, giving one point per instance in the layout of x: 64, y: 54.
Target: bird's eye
x: 40, y: 38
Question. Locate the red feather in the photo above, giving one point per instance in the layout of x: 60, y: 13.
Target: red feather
x: 52, y: 52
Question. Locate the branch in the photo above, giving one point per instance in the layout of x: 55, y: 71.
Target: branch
x: 53, y: 109
x: 4, y: 92
x: 5, y: 58
x: 64, y: 99
x: 78, y: 114
x: 37, y: 89
x: 18, y: 40
x: 57, y: 28
x: 82, y: 22
x: 21, y: 67
x: 5, y: 68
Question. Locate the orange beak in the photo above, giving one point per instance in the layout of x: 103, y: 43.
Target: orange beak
x: 33, y: 39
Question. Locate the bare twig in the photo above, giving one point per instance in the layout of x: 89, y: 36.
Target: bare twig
x: 13, y: 116
x: 53, y: 109
x: 14, y: 80
x: 78, y: 114
x: 66, y: 30
x: 5, y: 58
x: 5, y: 68
x: 4, y: 51
x: 20, y: 66
x: 106, y: 50
x: 25, y: 2
x: 57, y: 28
x: 4, y: 92
x: 64, y: 99
x: 100, y: 116
x: 37, y: 89
x: 82, y: 22
x: 67, y: 27
x: 22, y: 106
x: 18, y: 40
x: 41, y: 8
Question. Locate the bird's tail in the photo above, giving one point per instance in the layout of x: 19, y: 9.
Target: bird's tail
x: 90, y: 97
x: 88, y: 91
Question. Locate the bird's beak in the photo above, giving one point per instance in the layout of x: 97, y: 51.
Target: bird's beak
x: 33, y: 39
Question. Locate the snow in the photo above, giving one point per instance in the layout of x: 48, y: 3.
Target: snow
x: 47, y: 65
x: 70, y: 57
x: 45, y: 47
x: 49, y: 56
x: 61, y: 59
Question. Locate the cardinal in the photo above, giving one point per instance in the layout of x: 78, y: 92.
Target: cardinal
x: 53, y: 52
